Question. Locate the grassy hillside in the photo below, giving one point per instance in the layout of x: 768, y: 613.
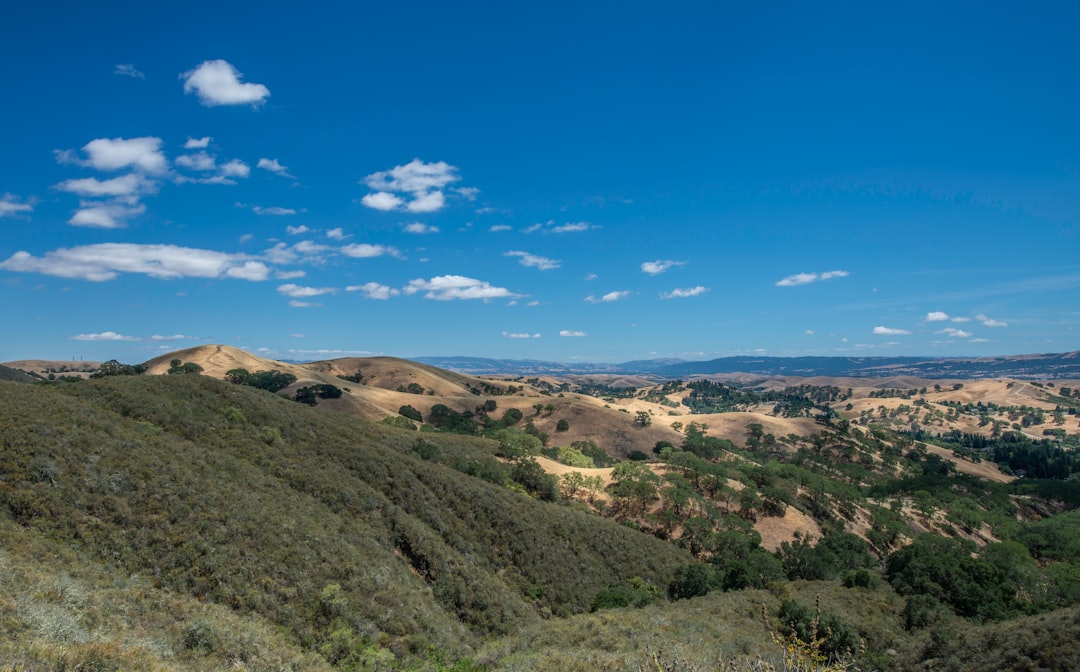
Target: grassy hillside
x: 14, y: 375
x: 317, y: 522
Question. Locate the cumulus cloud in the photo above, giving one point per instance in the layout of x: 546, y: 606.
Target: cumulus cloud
x: 128, y: 70
x: 507, y: 334
x: 10, y: 206
x: 373, y: 290
x: 300, y: 292
x: 684, y: 293
x: 336, y: 234
x: 218, y: 83
x: 420, y: 228
x: 608, y: 298
x: 532, y: 260
x: 105, y: 216
x: 990, y: 322
x: 106, y: 261
x: 657, y: 267
x: 197, y: 161
x: 273, y: 166
x: 416, y: 186
x: 889, y: 331
x: 198, y: 143
x: 128, y: 187
x: 104, y: 336
x: 296, y: 230
x: 572, y: 334
x: 807, y: 278
x: 451, y: 287
x: 235, y: 168
x: 936, y: 316
x: 143, y: 154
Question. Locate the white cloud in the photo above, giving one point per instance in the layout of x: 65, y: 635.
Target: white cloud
x: 336, y: 234
x: 960, y: 319
x: 275, y: 210
x: 10, y: 206
x: 420, y: 228
x: 289, y: 275
x: 608, y: 298
x: 954, y: 332
x: 105, y: 261
x: 572, y: 334
x: 573, y: 227
x: 809, y: 332
x: 174, y: 337
x: 936, y: 316
x: 990, y: 322
x: 470, y: 193
x: 293, y: 303
x: 684, y: 293
x: 888, y: 331
x: 807, y: 278
x: 142, y: 154
x: 235, y: 168
x: 296, y: 230
x: 128, y: 70
x: 198, y: 143
x: 450, y: 287
x: 218, y: 83
x: 507, y: 334
x: 273, y: 166
x: 591, y: 276
x: 298, y: 291
x: 432, y: 202
x: 526, y: 259
x: 373, y: 290
x: 129, y: 186
x: 364, y: 250
x: 382, y: 200
x: 422, y: 183
x: 658, y: 267
x: 105, y: 216
x: 979, y: 340
x: 104, y: 336
x: 500, y: 227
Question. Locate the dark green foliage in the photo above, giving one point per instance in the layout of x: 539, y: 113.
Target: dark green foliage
x: 411, y: 413
x: 861, y: 578
x: 115, y: 368
x: 178, y: 367
x: 707, y: 447
x: 535, y: 480
x: 563, y: 425
x: 692, y: 581
x: 633, y: 593
x: 445, y: 418
x: 841, y: 639
x: 637, y: 456
x: 589, y: 449
x: 311, y: 394
x: 271, y: 381
x: 259, y: 512
x: 944, y: 568
x: 16, y: 376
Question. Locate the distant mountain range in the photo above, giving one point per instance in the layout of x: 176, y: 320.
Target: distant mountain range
x: 1038, y: 366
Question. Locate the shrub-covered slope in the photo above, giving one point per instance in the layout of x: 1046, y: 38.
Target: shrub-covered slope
x: 318, y: 522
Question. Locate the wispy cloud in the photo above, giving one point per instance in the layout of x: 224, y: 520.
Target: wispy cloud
x: 532, y: 260
x: 365, y: 251
x: 218, y: 83
x: 500, y: 227
x: 336, y: 234
x: 278, y: 211
x: 414, y: 187
x: 274, y: 167
x: 300, y: 292
x: 608, y: 298
x: 105, y: 216
x: 104, y: 336
x: 684, y: 293
x: 550, y: 227
x: 420, y: 228
x: 507, y: 334
x: 174, y: 337
x: 451, y: 287
x: 657, y: 267
x: 990, y: 322
x: 889, y: 331
x: 10, y: 206
x: 198, y: 143
x: 106, y: 261
x: 373, y: 290
x: 807, y: 278
x: 954, y: 332
x: 569, y: 333
x: 128, y: 70
x: 296, y: 230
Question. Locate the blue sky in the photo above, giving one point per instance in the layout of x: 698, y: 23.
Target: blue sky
x: 561, y: 181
